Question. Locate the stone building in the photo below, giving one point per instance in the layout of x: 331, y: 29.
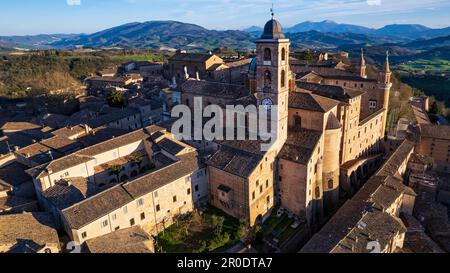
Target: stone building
x: 370, y: 221
x: 183, y: 65
x: 435, y: 143
x: 145, y: 178
x: 330, y: 131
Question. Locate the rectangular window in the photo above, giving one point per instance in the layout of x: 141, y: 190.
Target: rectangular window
x: 125, y: 210
x: 84, y: 235
x: 142, y: 216
x: 196, y: 188
x: 156, y: 194
x: 140, y: 202
x: 372, y: 104
x: 188, y: 191
x: 175, y: 199
x: 158, y: 207
x: 253, y: 196
x: 132, y: 222
x: 117, y: 228
x: 104, y: 223
x: 114, y: 216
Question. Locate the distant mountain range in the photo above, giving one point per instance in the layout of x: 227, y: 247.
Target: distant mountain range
x: 172, y: 35
x: 162, y: 35
x: 35, y: 41
x: 402, y: 31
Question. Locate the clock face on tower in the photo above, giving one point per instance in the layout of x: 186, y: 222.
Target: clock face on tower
x: 267, y: 103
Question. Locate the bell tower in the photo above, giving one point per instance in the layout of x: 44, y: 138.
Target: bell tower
x: 273, y: 72
x: 384, y: 86
x: 362, y: 66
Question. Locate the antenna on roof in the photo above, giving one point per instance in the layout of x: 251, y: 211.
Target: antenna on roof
x: 272, y: 11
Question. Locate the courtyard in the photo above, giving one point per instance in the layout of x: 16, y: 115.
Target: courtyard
x: 200, y: 232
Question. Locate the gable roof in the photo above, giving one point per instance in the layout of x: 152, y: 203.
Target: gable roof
x: 235, y: 161
x: 214, y: 89
x: 96, y: 207
x: 37, y: 228
x: 191, y: 57
x: 312, y: 102
x: 330, y: 91
x: 300, y: 146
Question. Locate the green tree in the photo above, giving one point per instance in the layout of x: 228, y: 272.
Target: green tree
x: 116, y: 171
x: 306, y: 56
x: 138, y: 160
x: 217, y: 224
x: 116, y: 99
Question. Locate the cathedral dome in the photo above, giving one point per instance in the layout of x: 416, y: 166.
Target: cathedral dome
x: 273, y: 30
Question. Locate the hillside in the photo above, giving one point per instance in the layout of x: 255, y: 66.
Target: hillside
x: 328, y: 26
x: 430, y: 44
x: 328, y: 40
x: 34, y: 41
x: 163, y: 35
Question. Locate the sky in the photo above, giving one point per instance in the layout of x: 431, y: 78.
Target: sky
x: 27, y: 17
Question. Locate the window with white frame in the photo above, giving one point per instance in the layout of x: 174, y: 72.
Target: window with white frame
x: 140, y: 202
x: 372, y: 104
x: 104, y: 223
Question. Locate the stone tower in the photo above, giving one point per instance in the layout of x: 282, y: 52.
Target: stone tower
x: 384, y: 86
x: 272, y: 84
x: 362, y: 66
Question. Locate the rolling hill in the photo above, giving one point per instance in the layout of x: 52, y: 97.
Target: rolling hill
x: 395, y: 31
x: 328, y: 26
x: 170, y: 35
x: 163, y: 35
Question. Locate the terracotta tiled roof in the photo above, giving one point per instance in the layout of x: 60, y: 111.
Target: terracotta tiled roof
x: 214, y: 89
x: 330, y: 91
x: 235, y: 161
x: 97, y: 206
x: 130, y: 240
x: 312, y: 102
x: 435, y: 131
x: 300, y: 145
x: 191, y: 57
x: 35, y: 227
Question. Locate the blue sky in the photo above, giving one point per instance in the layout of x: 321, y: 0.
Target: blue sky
x: 20, y: 17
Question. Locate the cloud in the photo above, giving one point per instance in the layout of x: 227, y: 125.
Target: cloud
x: 73, y: 2
x: 374, y: 2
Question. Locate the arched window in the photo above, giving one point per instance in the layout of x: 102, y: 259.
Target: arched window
x: 267, y: 78
x: 283, y: 54
x: 283, y: 78
x: 330, y: 184
x: 267, y: 54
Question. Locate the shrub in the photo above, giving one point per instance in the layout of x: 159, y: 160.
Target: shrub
x: 202, y: 247
x: 219, y: 241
